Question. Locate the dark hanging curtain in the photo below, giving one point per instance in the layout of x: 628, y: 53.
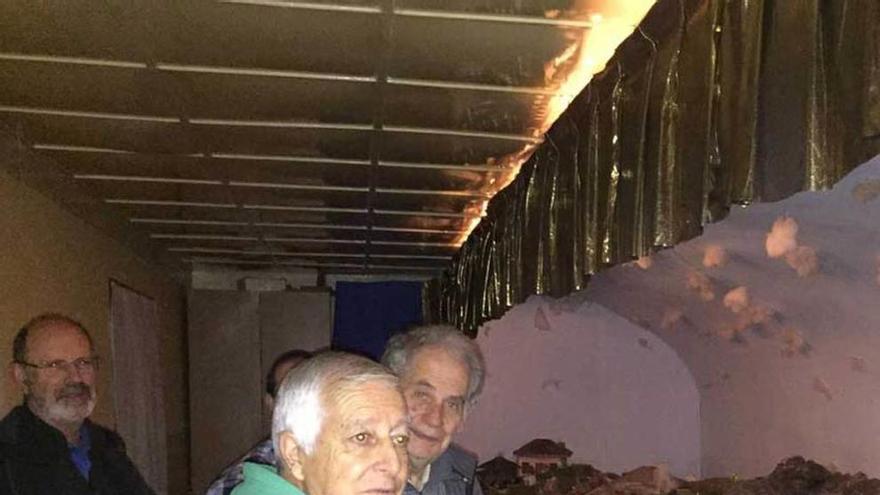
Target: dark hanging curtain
x: 710, y: 103
x: 366, y: 314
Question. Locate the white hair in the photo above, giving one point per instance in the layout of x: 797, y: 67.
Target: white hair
x: 306, y: 390
x: 403, y: 346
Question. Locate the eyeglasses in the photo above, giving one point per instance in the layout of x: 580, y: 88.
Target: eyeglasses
x: 83, y: 365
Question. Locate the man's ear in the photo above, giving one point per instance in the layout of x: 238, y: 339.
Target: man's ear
x: 17, y: 372
x: 464, y: 416
x: 268, y: 403
x: 292, y: 456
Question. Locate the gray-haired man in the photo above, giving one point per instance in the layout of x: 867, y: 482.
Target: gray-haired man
x: 339, y: 428
x: 441, y: 371
x: 49, y: 444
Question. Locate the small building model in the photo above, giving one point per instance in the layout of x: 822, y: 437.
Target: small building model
x: 538, y: 456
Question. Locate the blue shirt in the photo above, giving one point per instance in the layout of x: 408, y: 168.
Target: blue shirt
x: 79, y: 453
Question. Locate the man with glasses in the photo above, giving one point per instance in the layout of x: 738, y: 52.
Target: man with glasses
x: 48, y: 444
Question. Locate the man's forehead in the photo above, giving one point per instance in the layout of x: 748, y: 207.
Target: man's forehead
x: 431, y: 363
x: 368, y: 403
x: 56, y: 336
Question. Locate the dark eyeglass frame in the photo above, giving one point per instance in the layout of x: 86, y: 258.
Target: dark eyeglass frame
x: 80, y: 364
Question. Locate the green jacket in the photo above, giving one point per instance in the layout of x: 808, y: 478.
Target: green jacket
x: 260, y: 479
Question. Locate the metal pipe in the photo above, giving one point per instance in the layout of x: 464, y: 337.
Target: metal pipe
x: 329, y: 7
x: 57, y: 59
x: 137, y: 178
x: 88, y: 115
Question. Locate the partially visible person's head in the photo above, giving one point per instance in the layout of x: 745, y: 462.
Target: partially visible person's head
x: 340, y: 427
x: 54, y: 362
x: 441, y: 372
x: 282, y: 364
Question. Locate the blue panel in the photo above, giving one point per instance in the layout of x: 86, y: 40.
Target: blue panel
x: 368, y: 313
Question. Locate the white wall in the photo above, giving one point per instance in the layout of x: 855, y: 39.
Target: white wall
x: 803, y: 380
x: 616, y: 394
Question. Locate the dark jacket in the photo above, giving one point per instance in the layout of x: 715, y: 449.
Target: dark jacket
x: 35, y: 460
x: 453, y: 473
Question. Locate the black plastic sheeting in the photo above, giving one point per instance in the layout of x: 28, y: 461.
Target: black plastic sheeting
x: 710, y: 103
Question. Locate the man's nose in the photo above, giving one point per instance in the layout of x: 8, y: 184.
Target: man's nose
x: 434, y: 415
x: 73, y: 371
x: 389, y: 457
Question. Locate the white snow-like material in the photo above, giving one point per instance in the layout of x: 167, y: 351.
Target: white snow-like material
x: 802, y: 355
x: 715, y: 256
x: 700, y: 283
x: 645, y: 262
x: 804, y: 260
x: 782, y: 238
x: 737, y: 299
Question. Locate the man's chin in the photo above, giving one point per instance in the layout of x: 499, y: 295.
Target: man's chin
x: 75, y: 411
x: 423, y: 454
x: 382, y: 488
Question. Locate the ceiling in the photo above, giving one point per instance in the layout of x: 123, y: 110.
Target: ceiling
x: 346, y: 135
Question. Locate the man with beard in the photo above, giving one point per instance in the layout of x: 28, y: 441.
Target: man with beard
x: 441, y: 373
x: 48, y: 444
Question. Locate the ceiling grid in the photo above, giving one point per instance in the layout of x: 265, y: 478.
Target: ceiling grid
x: 348, y: 135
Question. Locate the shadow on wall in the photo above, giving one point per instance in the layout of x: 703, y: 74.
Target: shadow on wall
x: 571, y: 371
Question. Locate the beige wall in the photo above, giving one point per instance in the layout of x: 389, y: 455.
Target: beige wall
x: 51, y: 260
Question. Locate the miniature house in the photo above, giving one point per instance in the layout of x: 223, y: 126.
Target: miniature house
x: 538, y: 456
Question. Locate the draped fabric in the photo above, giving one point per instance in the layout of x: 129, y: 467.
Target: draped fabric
x: 367, y: 314
x: 710, y: 103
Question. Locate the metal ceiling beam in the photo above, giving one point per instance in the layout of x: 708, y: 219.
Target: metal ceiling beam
x: 427, y: 83
x: 159, y: 202
x: 141, y: 178
x: 175, y: 221
x: 227, y: 261
x: 292, y: 74
x: 309, y: 209
x: 494, y: 18
x: 282, y: 124
x: 328, y: 7
x: 286, y: 158
x: 457, y: 133
x: 59, y: 59
x: 80, y: 149
x: 277, y: 158
x: 289, y: 225
x: 295, y: 240
x: 206, y: 237
x: 320, y: 126
x: 422, y: 13
x: 208, y: 250
x: 251, y: 71
x: 57, y: 112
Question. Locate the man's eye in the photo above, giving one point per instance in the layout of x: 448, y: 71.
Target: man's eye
x: 401, y: 439
x: 56, y: 365
x: 455, y: 405
x: 361, y: 437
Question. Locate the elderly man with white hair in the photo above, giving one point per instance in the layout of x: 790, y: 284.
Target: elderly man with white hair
x: 339, y: 428
x: 441, y: 372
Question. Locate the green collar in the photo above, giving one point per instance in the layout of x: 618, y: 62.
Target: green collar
x: 262, y: 479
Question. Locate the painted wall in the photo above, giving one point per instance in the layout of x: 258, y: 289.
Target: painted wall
x: 575, y: 372
x: 51, y: 260
x: 794, y: 367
